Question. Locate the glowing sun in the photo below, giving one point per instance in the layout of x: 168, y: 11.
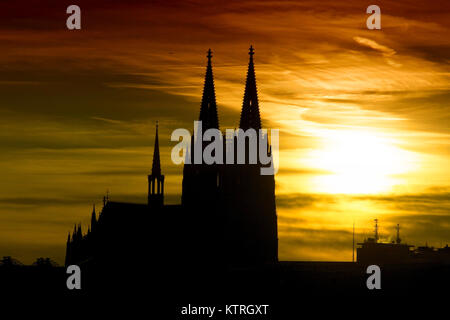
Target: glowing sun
x: 358, y: 162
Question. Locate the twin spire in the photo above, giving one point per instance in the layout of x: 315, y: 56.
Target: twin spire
x: 250, y: 117
x: 208, y: 109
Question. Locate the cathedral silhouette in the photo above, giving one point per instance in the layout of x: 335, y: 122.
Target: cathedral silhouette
x: 227, y: 215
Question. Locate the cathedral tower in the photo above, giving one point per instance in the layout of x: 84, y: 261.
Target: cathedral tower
x: 200, y: 181
x: 249, y: 197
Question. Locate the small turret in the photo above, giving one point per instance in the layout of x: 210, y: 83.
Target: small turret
x: 106, y: 198
x: 74, y: 234
x: 68, y: 251
x: 93, y: 219
x: 79, y: 232
x: 156, y: 179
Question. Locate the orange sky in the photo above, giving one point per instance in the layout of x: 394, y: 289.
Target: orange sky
x: 363, y: 114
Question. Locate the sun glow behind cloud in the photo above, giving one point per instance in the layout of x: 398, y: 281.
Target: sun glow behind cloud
x: 358, y: 162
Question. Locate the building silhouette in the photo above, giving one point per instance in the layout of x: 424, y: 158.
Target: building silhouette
x: 373, y: 251
x: 227, y: 214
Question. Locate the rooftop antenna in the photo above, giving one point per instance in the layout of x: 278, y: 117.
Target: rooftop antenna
x: 353, y: 249
x: 376, y: 230
x: 398, y: 240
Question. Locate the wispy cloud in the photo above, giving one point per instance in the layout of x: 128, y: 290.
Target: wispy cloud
x: 387, y: 52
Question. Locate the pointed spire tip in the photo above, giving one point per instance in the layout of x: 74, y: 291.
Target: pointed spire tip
x: 208, y: 109
x: 156, y: 166
x: 250, y: 116
x: 251, y: 51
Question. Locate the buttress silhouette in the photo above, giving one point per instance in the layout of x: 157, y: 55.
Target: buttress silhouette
x: 227, y: 215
